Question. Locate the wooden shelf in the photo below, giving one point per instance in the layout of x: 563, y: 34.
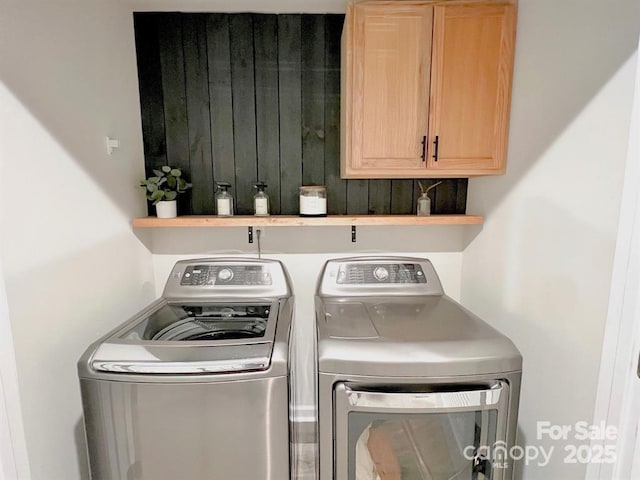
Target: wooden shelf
x: 296, y: 221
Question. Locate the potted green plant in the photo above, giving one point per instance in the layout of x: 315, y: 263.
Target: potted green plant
x: 163, y: 188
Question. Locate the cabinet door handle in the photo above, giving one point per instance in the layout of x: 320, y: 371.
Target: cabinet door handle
x: 435, y: 149
x: 424, y: 148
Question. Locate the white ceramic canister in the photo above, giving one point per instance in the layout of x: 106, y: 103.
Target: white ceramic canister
x: 313, y: 201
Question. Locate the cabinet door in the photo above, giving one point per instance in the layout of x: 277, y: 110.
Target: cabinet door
x: 386, y: 65
x: 472, y: 65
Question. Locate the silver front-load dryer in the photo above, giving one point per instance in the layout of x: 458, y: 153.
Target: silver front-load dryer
x: 196, y: 385
x: 411, y: 385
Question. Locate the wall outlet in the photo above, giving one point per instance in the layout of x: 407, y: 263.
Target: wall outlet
x: 111, y: 144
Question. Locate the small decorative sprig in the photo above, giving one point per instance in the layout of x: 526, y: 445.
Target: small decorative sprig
x: 422, y: 189
x: 165, y: 185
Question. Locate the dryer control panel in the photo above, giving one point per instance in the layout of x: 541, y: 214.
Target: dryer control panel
x: 364, y: 273
x: 363, y: 276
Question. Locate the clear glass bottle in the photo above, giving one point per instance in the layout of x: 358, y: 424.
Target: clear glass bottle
x: 260, y: 200
x: 224, y: 200
x: 424, y: 205
x: 424, y: 202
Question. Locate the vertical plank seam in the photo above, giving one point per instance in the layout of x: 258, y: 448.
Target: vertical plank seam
x: 277, y: 43
x: 301, y: 100
x: 211, y: 105
x: 204, y: 69
x: 164, y: 111
x: 255, y: 94
x: 233, y: 118
x: 208, y: 121
x: 324, y: 97
x: 186, y: 102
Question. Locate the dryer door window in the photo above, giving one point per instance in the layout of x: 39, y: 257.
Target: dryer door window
x: 397, y: 433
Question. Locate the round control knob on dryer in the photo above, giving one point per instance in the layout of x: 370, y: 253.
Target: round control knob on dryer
x: 381, y: 274
x: 225, y: 274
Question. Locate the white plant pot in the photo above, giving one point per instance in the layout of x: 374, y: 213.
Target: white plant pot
x: 166, y: 209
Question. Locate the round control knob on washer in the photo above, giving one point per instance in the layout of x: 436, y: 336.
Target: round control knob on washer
x: 381, y: 274
x: 225, y: 274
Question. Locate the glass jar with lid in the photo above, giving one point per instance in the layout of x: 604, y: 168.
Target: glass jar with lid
x: 313, y: 201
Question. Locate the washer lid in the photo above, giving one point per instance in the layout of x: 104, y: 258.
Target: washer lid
x: 192, y: 338
x: 411, y: 336
x: 153, y: 359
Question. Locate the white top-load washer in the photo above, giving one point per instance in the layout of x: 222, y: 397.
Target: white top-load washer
x: 196, y: 385
x: 409, y: 382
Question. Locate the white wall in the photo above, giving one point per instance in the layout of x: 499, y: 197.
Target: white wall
x: 72, y: 266
x: 540, y: 269
x: 13, y: 451
x: 618, y: 385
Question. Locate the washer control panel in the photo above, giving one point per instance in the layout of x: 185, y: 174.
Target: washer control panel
x: 364, y: 273
x: 207, y: 274
x: 210, y: 279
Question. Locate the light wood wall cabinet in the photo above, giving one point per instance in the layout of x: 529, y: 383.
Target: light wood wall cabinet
x: 426, y: 88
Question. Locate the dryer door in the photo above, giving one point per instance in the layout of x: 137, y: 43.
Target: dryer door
x: 421, y: 432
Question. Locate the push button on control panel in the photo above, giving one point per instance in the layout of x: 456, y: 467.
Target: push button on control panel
x: 197, y: 275
x: 225, y: 275
x: 381, y: 274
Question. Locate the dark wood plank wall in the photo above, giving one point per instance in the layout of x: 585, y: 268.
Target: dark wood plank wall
x: 247, y: 97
